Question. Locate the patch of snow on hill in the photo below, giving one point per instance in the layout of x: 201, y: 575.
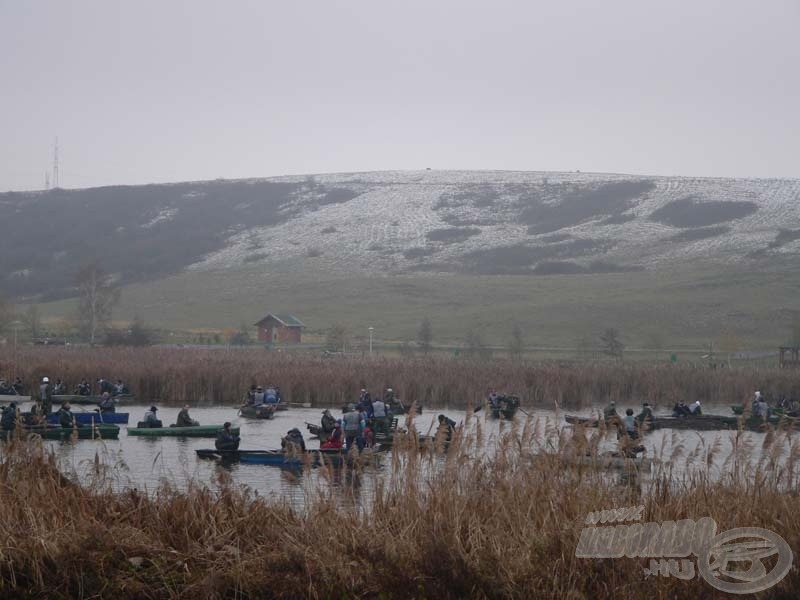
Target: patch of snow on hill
x: 386, y: 227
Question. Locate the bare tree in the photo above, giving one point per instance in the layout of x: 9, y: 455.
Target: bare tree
x: 425, y: 335
x: 474, y: 346
x: 517, y: 344
x: 96, y: 298
x: 336, y: 338
x: 6, y: 315
x: 730, y: 343
x: 612, y: 344
x: 584, y: 346
x: 656, y: 340
x: 795, y: 342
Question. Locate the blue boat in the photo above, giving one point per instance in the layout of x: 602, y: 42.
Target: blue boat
x: 87, y: 418
x: 280, y: 458
x: 84, y: 418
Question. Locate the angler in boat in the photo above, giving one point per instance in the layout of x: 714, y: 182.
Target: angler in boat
x: 184, y: 420
x: 353, y: 426
x: 380, y: 417
x: 446, y: 429
x: 293, y: 441
x: 46, y: 396
x: 83, y: 389
x: 59, y: 388
x: 8, y: 421
x: 151, y: 419
x: 610, y: 411
x: 335, y: 440
x: 106, y: 404
x: 65, y: 416
x: 646, y: 414
x: 226, y: 440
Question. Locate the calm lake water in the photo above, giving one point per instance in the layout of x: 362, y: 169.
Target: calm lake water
x: 144, y: 463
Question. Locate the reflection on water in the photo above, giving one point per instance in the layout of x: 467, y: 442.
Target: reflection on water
x: 145, y: 463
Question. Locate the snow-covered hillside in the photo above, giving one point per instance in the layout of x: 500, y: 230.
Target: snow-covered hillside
x: 518, y: 222
x: 472, y: 222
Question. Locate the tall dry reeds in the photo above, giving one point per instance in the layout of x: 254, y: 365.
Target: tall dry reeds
x: 198, y: 376
x: 465, y: 524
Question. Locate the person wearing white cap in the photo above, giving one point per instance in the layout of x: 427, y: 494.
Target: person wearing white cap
x: 760, y: 407
x: 46, y: 396
x: 696, y: 410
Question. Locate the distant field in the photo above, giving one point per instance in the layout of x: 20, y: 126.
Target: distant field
x: 671, y: 309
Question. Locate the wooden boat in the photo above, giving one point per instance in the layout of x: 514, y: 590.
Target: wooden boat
x: 280, y: 458
x: 89, y: 400
x: 263, y: 411
x: 198, y: 431
x: 612, y: 460
x: 104, y: 432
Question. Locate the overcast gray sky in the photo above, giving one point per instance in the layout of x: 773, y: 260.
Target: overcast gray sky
x: 155, y: 91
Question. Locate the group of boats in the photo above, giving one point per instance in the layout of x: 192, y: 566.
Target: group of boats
x: 702, y: 422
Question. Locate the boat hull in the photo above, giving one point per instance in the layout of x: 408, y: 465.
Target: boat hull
x: 92, y: 418
x: 105, y: 432
x: 265, y: 411
x: 89, y: 400
x: 209, y: 431
x: 701, y: 422
x: 280, y: 458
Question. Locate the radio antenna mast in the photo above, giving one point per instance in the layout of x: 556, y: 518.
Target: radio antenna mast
x: 55, y: 165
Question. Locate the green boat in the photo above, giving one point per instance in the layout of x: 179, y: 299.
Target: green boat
x: 98, y: 432
x: 89, y: 400
x: 198, y: 431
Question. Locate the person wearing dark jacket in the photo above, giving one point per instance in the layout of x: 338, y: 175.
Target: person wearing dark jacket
x: 9, y: 419
x: 328, y: 421
x: 225, y: 438
x: 293, y: 441
x: 107, y: 404
x: 83, y: 389
x: 46, y: 396
x: 184, y: 420
x: 646, y: 414
x: 446, y: 428
x: 65, y: 416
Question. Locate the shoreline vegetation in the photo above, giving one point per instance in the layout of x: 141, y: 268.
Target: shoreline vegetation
x: 455, y: 523
x: 175, y: 376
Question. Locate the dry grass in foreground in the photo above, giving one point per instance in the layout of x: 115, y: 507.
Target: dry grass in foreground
x: 460, y: 525
x: 178, y: 375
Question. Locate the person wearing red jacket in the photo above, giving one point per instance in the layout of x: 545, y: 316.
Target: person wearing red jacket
x: 335, y: 441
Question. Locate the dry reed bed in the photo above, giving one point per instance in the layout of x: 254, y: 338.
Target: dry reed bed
x: 198, y: 376
x: 455, y: 526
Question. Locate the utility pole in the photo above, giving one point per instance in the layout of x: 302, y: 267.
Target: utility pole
x: 55, y: 165
x: 370, y: 340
